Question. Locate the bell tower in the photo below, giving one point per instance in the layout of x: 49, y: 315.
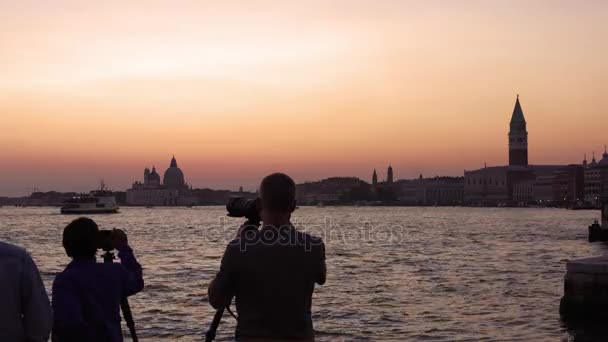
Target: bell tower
x: 374, y: 178
x: 518, y: 138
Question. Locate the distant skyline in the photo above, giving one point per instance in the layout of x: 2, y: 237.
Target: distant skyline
x: 239, y: 89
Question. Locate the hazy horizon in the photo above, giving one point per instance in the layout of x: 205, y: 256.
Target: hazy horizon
x: 237, y: 90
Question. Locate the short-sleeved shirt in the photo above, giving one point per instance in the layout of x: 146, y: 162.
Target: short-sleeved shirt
x: 272, y: 274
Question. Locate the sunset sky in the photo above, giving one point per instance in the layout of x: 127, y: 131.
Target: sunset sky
x: 315, y: 88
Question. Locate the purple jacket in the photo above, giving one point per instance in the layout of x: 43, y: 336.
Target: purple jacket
x: 87, y: 295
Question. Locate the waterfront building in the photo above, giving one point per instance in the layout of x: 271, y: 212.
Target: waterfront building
x: 543, y: 193
x: 520, y: 183
x: 333, y: 191
x: 172, y: 192
x: 523, y: 193
x: 569, y: 185
x: 442, y: 190
x: 603, y: 165
x: 592, y: 182
x: 487, y: 186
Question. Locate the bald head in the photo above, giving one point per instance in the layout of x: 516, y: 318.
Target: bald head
x: 278, y: 193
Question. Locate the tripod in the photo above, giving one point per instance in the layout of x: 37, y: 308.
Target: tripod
x: 108, y: 257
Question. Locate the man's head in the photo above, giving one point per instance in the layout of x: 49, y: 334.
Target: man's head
x: 277, y: 196
x: 80, y: 238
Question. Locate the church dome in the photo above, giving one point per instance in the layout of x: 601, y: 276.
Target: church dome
x: 154, y: 177
x: 174, y: 177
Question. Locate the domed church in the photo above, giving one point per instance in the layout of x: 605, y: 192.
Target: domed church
x: 174, y: 190
x: 174, y: 177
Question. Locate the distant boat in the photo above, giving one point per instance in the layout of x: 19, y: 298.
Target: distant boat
x: 99, y: 201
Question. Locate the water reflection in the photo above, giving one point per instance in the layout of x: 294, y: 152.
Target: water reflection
x: 439, y: 274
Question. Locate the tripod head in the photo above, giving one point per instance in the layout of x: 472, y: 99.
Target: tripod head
x: 108, y: 256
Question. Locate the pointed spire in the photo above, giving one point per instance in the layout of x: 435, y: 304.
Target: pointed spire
x: 389, y: 174
x: 593, y: 161
x: 605, y: 155
x: 518, y: 113
x: 374, y: 178
x: 173, y: 162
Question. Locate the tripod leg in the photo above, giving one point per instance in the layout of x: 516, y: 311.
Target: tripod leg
x: 210, y: 335
x: 128, y: 316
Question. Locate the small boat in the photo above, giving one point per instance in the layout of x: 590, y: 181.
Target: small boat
x: 99, y: 201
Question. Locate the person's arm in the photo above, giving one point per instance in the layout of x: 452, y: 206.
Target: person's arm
x: 133, y: 279
x: 69, y: 323
x: 37, y: 314
x: 322, y: 266
x: 221, y: 289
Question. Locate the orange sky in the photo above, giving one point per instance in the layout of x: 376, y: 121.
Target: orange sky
x: 237, y: 89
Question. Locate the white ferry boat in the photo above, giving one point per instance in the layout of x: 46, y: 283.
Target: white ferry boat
x: 99, y: 201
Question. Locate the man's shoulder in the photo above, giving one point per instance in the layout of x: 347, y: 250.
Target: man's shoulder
x: 309, y: 238
x: 11, y: 251
x: 293, y: 237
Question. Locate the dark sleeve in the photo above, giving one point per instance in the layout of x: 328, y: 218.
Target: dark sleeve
x: 36, y: 309
x: 222, y: 288
x: 132, y: 279
x: 69, y: 323
x: 321, y: 265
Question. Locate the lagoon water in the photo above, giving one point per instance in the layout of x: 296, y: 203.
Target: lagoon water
x: 394, y: 274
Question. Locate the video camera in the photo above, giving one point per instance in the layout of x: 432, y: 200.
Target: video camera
x: 243, y: 207
x: 104, y: 240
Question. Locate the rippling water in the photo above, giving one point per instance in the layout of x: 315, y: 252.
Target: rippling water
x: 432, y: 274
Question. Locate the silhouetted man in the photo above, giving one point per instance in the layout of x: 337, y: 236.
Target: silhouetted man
x: 87, y: 294
x: 25, y: 311
x: 272, y: 272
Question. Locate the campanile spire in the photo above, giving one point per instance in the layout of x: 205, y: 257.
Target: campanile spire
x: 518, y: 137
